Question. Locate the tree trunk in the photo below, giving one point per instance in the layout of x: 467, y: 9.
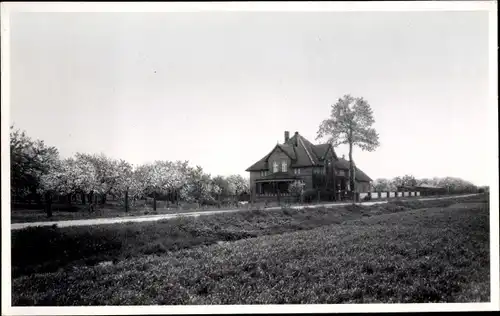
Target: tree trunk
x: 352, y: 174
x: 96, y: 201
x: 154, y: 201
x: 334, y: 182
x: 103, y: 198
x: 83, y: 198
x: 38, y: 199
x: 48, y: 204
x: 69, y: 196
x: 126, y: 201
x: 91, y: 202
x: 252, y: 197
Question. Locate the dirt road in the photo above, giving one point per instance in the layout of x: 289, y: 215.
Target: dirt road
x: 149, y: 218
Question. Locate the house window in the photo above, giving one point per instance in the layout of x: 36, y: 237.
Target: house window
x: 319, y: 170
x: 296, y: 170
x: 284, y: 166
x: 275, y: 166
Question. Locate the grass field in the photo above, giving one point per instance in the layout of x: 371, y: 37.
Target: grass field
x: 397, y: 252
x: 62, y: 212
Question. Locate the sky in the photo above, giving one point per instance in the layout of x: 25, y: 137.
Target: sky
x: 220, y: 88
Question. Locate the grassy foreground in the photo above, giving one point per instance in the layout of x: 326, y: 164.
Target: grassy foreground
x: 384, y: 253
x: 52, y: 248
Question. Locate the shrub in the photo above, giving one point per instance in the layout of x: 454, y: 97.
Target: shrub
x: 310, y: 195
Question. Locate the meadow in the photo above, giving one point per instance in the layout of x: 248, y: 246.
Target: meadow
x: 403, y: 251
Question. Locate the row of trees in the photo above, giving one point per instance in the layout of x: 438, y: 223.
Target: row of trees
x: 37, y: 171
x: 451, y: 184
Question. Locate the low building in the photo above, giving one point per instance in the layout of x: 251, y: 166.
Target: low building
x: 424, y: 189
x: 297, y: 159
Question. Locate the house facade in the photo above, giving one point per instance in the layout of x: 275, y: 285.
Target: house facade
x: 297, y: 159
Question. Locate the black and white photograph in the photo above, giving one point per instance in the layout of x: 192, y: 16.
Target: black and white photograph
x: 249, y: 157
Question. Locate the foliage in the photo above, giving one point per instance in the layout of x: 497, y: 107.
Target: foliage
x: 351, y: 123
x: 238, y: 185
x: 296, y: 188
x: 73, y: 175
x: 429, y: 255
x: 221, y: 187
x: 451, y: 184
x: 30, y: 161
x: 110, y: 174
x: 198, y: 187
x: 161, y: 176
x: 383, y: 185
x: 407, y: 180
x: 483, y: 189
x: 455, y: 185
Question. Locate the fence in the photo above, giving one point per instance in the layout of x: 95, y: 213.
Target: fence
x: 385, y: 195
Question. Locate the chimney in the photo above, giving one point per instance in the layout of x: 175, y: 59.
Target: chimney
x: 296, y: 139
x: 287, y: 136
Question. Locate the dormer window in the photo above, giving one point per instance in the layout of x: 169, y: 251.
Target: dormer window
x: 275, y: 166
x: 284, y: 166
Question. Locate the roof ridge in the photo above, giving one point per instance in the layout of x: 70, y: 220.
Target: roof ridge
x: 305, y: 148
x: 283, y: 146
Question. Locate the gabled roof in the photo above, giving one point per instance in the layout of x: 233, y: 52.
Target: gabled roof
x: 321, y: 150
x: 259, y: 165
x: 300, y: 150
x: 305, y: 154
x: 361, y: 176
x: 288, y: 149
x: 262, y: 163
x: 343, y: 164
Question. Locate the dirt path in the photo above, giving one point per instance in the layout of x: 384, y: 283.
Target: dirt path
x: 148, y: 218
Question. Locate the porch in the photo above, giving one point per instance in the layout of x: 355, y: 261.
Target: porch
x: 272, y: 188
x: 275, y: 184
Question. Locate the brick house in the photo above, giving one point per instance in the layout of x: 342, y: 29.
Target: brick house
x: 298, y: 159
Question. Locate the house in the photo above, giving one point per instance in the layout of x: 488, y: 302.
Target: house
x: 317, y: 166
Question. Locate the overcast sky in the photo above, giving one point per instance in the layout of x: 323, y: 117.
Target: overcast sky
x: 220, y: 89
